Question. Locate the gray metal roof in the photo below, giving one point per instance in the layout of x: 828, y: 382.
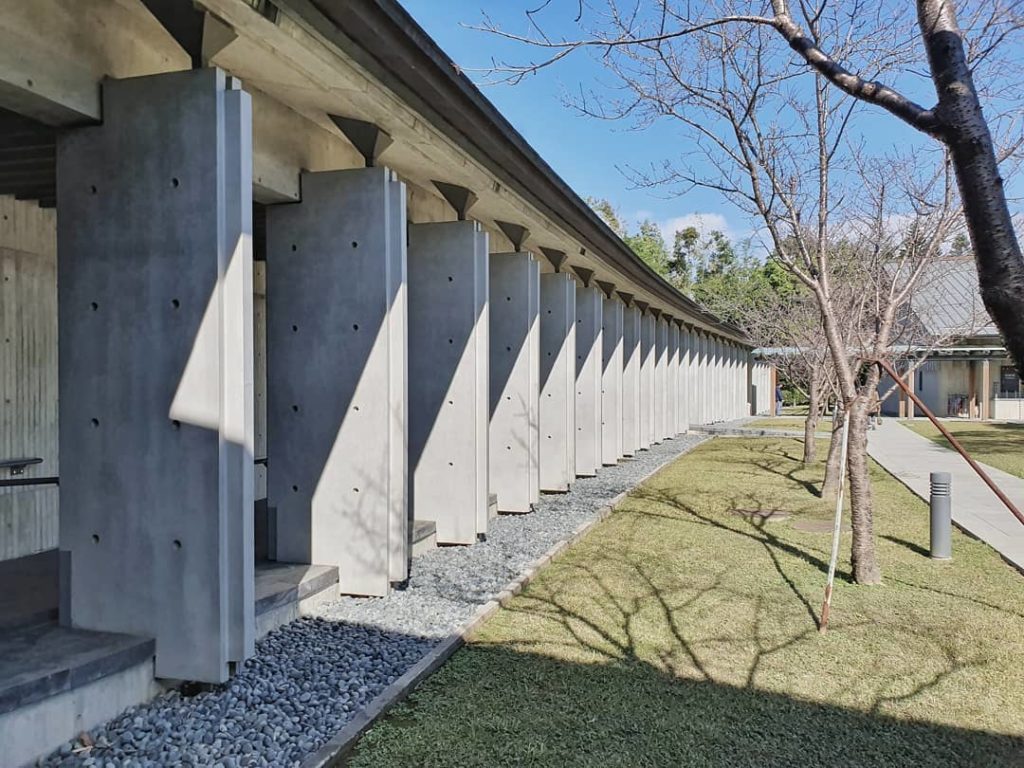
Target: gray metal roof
x: 947, y: 304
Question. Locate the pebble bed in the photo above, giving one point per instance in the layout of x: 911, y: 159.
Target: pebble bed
x: 309, y: 678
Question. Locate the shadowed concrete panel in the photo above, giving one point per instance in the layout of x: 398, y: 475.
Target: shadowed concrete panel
x: 672, y: 381
x: 448, y: 365
x: 588, y: 380
x: 557, y: 382
x: 514, y: 380
x: 155, y: 431
x: 611, y: 381
x: 399, y: 511
x: 647, y: 353
x: 631, y: 320
x: 661, y: 379
x: 334, y: 393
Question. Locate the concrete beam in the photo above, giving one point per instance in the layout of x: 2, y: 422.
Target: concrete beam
x: 336, y: 380
x: 611, y: 381
x: 448, y: 377
x: 557, y: 382
x: 514, y: 380
x: 155, y: 369
x: 589, y: 351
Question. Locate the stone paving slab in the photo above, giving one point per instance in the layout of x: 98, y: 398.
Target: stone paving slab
x: 911, y: 458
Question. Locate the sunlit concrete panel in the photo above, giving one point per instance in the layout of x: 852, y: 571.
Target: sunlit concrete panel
x: 647, y: 364
x: 611, y: 381
x: 557, y: 382
x: 514, y: 380
x: 661, y: 431
x: 155, y: 369
x: 631, y: 319
x: 448, y: 375
x: 336, y: 383
x: 672, y: 380
x: 703, y: 396
x: 683, y: 408
x: 589, y: 352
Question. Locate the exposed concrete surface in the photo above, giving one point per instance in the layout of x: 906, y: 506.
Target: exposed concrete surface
x: 910, y: 458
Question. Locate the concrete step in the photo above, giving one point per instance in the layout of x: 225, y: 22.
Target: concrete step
x: 30, y: 593
x: 424, y: 536
x: 286, y: 591
x: 56, y: 682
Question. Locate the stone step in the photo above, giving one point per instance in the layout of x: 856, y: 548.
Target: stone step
x: 56, y: 682
x: 424, y: 536
x: 286, y: 591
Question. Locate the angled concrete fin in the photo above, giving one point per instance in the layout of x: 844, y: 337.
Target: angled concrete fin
x: 608, y: 288
x: 183, y: 22
x: 459, y: 198
x: 627, y: 298
x: 216, y: 37
x: 370, y: 139
x: 642, y: 304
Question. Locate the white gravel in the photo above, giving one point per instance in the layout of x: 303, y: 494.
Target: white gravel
x: 309, y: 678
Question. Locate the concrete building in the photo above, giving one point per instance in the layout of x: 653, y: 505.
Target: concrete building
x: 284, y: 297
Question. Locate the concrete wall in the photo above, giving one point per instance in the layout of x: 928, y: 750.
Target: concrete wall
x: 631, y: 380
x: 589, y: 351
x: 647, y: 390
x: 28, y: 373
x: 611, y: 381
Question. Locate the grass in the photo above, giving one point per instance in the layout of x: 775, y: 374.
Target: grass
x: 678, y: 633
x: 998, y: 445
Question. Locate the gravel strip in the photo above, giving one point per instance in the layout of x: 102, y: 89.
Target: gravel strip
x: 309, y: 678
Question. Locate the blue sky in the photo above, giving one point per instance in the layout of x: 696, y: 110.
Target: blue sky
x: 586, y: 152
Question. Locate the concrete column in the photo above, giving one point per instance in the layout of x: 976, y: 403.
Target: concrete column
x: 718, y: 383
x: 672, y: 380
x: 631, y: 380
x: 683, y: 413
x: 155, y: 369
x: 514, y: 380
x: 647, y: 362
x: 589, y: 350
x: 986, y: 390
x: 448, y: 378
x: 660, y: 379
x: 557, y: 382
x: 693, y: 354
x: 611, y: 381
x: 336, y: 377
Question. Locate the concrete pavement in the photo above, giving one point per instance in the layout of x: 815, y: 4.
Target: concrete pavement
x: 976, y: 509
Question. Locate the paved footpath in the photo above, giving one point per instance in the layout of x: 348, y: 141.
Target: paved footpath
x: 911, y: 458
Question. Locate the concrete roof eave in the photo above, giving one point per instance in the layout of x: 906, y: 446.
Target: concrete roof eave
x: 385, y: 40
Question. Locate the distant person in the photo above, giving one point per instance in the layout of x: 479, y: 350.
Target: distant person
x: 778, y: 400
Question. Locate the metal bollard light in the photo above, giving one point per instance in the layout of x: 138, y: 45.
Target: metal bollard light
x: 941, y: 516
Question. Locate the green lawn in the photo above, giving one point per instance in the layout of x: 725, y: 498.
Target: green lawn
x: 998, y: 445
x: 679, y: 633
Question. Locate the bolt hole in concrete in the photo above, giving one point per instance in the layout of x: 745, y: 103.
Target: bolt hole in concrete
x: 175, y: 424
x: 175, y: 183
x: 92, y: 189
x: 355, y: 326
x: 449, y: 278
x: 295, y: 489
x: 295, y: 408
x: 355, y: 244
x: 295, y: 329
x: 451, y: 341
x: 177, y: 543
x: 294, y: 247
x: 95, y: 538
x: 94, y: 422
x: 355, y: 490
x: 94, y: 306
x: 175, y: 303
x: 355, y: 408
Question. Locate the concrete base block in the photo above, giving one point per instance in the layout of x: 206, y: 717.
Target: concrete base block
x: 448, y: 378
x: 557, y: 382
x: 284, y: 592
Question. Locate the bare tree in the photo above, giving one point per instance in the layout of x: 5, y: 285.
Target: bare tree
x: 849, y: 44
x: 778, y: 142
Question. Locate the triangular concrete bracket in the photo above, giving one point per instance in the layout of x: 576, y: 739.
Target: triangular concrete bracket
x: 369, y: 139
x: 642, y: 304
x: 583, y: 274
x: 459, y: 198
x: 514, y: 232
x: 627, y: 298
x: 556, y: 257
x: 608, y: 288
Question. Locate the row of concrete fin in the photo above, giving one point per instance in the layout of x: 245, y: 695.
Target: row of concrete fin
x: 409, y: 374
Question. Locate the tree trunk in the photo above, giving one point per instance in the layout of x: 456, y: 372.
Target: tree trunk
x: 966, y: 133
x: 830, y: 485
x: 865, y: 563
x: 811, y: 423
